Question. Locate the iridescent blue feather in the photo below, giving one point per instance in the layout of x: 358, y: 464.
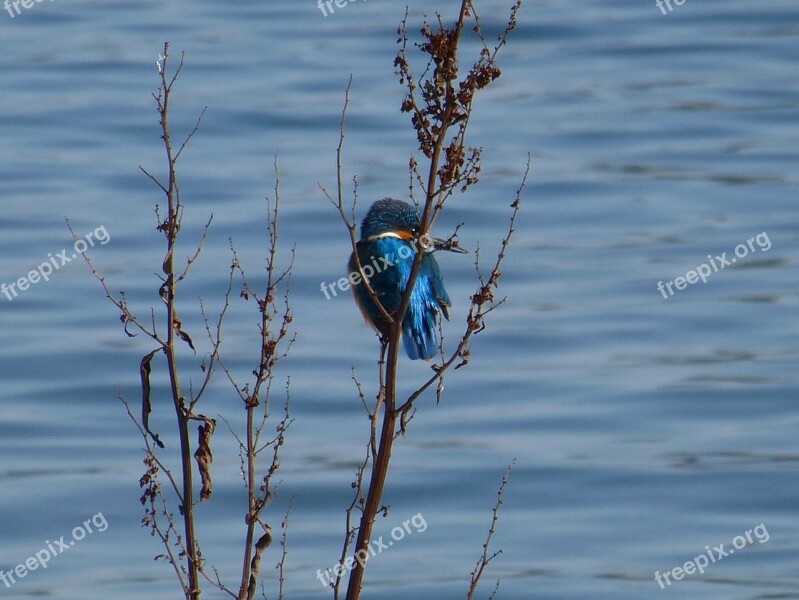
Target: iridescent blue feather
x: 387, y: 259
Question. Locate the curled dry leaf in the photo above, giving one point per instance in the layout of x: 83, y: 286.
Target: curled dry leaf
x: 204, y: 456
x: 146, y: 406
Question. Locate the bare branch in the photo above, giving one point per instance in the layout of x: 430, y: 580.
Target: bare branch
x: 190, y: 261
x: 486, y: 558
x: 154, y: 179
x: 196, y: 126
x: 281, y: 565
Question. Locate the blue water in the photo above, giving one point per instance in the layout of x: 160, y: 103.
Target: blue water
x: 645, y: 427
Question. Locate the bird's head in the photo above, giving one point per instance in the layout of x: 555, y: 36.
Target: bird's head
x: 390, y: 218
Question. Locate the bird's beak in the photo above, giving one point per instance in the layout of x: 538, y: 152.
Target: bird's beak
x: 450, y: 245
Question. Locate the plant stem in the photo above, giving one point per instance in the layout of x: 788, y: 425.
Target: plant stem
x: 380, y: 466
x: 172, y: 228
x: 252, y: 494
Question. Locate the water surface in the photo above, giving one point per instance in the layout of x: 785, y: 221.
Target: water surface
x: 644, y: 428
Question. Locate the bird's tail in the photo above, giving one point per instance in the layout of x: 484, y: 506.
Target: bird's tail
x: 419, y: 335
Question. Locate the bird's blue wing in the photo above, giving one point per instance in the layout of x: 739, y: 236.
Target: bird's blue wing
x: 381, y: 262
x: 419, y: 327
x: 387, y: 262
x: 431, y: 271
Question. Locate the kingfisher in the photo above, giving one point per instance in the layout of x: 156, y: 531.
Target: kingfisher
x: 390, y: 239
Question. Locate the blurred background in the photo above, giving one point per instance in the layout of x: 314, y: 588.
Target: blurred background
x: 644, y: 428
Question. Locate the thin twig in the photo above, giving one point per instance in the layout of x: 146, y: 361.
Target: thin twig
x: 485, y: 557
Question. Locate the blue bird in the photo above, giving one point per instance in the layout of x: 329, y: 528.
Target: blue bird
x: 387, y: 248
